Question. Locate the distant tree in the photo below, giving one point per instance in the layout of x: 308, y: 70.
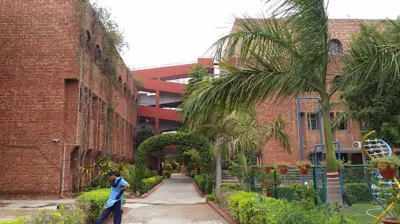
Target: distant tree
x: 143, y: 134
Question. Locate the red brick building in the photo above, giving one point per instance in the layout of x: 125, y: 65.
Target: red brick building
x: 55, y: 89
x: 341, y: 30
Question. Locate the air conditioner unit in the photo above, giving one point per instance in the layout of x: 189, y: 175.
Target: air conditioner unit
x: 357, y: 144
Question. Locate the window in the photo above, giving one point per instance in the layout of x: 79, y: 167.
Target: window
x: 97, y: 53
x: 335, y: 46
x: 336, y: 81
x: 342, y: 122
x: 313, y: 121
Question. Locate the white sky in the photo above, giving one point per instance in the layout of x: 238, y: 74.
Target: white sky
x: 161, y: 32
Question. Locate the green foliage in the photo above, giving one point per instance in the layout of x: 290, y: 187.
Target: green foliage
x: 230, y: 187
x: 210, y: 197
x: 74, y: 215
x: 130, y: 176
x: 192, y: 173
x: 358, y: 192
x: 113, y: 33
x: 373, y: 74
x: 151, y: 182
x: 167, y: 174
x: 144, y: 133
x: 204, y: 186
x: 385, y: 162
x: 193, y: 141
x: 255, y: 209
x: 97, y: 200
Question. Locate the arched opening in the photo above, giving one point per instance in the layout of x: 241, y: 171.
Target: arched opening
x: 74, y: 169
x: 335, y: 46
x: 88, y: 38
x: 97, y: 54
x: 157, y: 142
x: 335, y: 82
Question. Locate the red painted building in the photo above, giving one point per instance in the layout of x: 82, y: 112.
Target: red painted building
x: 160, y: 96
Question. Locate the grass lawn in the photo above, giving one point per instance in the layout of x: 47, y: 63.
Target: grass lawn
x: 363, y: 212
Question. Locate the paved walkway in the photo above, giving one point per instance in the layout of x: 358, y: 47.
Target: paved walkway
x: 177, y: 190
x: 176, y: 202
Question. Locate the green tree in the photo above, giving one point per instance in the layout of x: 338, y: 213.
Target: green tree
x: 144, y: 133
x: 372, y: 73
x: 280, y: 57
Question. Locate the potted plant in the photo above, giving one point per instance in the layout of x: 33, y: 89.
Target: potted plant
x: 283, y: 168
x: 267, y: 168
x: 386, y: 165
x: 341, y: 163
x: 303, y: 166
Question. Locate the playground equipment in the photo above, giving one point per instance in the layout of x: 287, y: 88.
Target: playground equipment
x: 374, y: 148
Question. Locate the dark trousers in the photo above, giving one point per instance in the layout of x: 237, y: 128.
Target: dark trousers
x: 116, y: 210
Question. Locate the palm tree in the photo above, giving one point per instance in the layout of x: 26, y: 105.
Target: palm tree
x: 374, y: 54
x: 237, y: 133
x: 280, y: 57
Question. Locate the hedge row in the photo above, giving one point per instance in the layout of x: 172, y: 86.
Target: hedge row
x: 151, y: 182
x: 252, y: 208
x: 230, y: 187
x: 97, y: 200
x: 206, y: 188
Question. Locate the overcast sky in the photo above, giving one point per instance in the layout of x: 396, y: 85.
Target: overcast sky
x: 161, y: 32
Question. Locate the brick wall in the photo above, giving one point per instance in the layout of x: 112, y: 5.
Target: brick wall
x: 39, y: 98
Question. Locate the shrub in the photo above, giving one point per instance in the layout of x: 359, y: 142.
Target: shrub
x: 97, y: 200
x: 167, y: 174
x: 358, y: 192
x: 150, y: 182
x: 230, y: 187
x: 210, y: 197
x: 206, y: 188
x: 153, y: 173
x: 251, y: 208
x: 192, y: 173
x: 76, y: 214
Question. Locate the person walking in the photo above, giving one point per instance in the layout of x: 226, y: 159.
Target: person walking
x: 114, y: 203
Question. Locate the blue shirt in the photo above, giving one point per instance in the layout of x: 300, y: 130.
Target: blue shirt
x: 115, y: 190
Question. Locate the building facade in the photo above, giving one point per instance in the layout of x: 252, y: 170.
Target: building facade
x: 160, y: 96
x: 301, y: 115
x: 65, y: 99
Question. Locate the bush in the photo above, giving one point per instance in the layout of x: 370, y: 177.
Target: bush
x: 167, y: 174
x: 251, y: 208
x: 130, y: 175
x: 151, y: 182
x: 210, y: 197
x: 153, y: 173
x: 97, y: 200
x: 230, y: 187
x: 204, y: 187
x: 192, y: 173
x: 76, y: 214
x: 358, y: 192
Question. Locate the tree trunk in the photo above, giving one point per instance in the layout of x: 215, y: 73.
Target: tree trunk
x: 332, y: 179
x: 218, y: 170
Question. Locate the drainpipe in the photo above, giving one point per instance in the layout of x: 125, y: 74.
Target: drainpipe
x: 63, y: 170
